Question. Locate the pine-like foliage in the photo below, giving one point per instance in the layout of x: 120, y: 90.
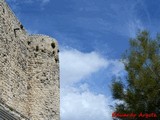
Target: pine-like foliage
x: 141, y: 91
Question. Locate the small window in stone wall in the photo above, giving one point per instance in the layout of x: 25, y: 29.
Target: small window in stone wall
x: 15, y: 30
x: 53, y: 45
x: 37, y: 48
x: 53, y: 52
x: 21, y: 26
x: 29, y: 42
x: 3, y: 10
x: 56, y: 60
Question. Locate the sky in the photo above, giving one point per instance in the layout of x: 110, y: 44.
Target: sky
x: 92, y: 36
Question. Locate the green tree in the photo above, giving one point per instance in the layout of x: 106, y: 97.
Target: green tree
x: 140, y: 91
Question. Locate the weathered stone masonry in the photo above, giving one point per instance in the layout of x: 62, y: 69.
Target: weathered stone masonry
x: 29, y: 71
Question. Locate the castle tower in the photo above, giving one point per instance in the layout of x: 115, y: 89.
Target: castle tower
x: 43, y: 73
x: 29, y: 72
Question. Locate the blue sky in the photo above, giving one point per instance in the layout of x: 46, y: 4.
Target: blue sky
x: 92, y: 35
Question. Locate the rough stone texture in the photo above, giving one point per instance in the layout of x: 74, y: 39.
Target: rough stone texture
x: 29, y: 70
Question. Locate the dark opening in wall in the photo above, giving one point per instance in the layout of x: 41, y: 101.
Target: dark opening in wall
x: 37, y: 48
x: 43, y: 51
x: 53, y: 52
x: 15, y: 31
x: 21, y: 26
x: 57, y: 60
x: 53, y: 45
x: 29, y: 42
x: 3, y: 10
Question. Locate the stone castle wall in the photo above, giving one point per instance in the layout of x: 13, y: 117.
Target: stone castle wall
x: 29, y: 70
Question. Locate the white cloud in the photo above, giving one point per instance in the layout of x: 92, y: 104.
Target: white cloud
x: 76, y: 65
x: 80, y: 103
